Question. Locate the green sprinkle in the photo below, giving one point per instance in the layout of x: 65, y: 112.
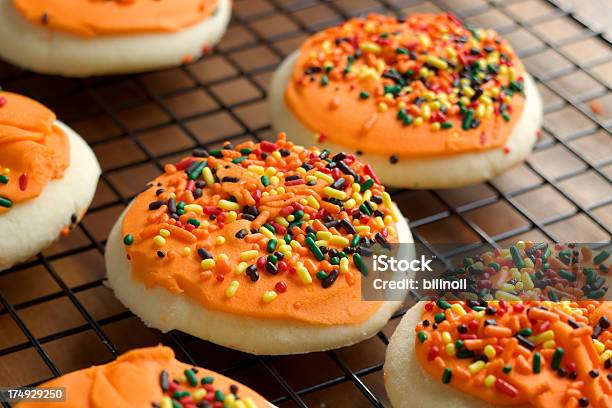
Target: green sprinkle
x: 287, y: 238
x: 265, y: 181
x: 364, y: 95
x: 316, y: 251
x: 324, y: 80
x: 5, y: 202
x: 506, y: 116
x: 180, y: 394
x: 216, y: 153
x: 197, y: 172
x: 3, y: 179
x: 537, y: 362
x: 602, y: 256
x: 401, y: 114
x: 459, y: 345
x: 208, y: 380
x: 355, y: 241
x: 407, y: 120
x: 334, y: 260
x: 516, y: 257
x: 567, y: 275
x: 128, y: 239
x: 526, y: 332
x: 192, y: 379
x: 321, y: 275
x: 422, y: 336
x: 245, y: 151
x: 590, y: 274
x: 194, y: 222
x: 552, y: 295
x: 271, y: 246
x: 447, y: 375
x: 507, y: 368
x: 364, y: 209
x: 239, y: 160
x: 176, y: 404
x: 272, y: 259
x: 439, y: 317
x: 465, y: 353
x: 400, y: 50
x: 219, y: 396
x: 366, y: 185
x: 446, y: 125
x: 467, y: 119
x: 363, y: 268
x: 269, y: 227
x: 596, y: 294
x: 556, y: 359
x: 495, y: 266
x: 299, y: 214
x: 443, y: 304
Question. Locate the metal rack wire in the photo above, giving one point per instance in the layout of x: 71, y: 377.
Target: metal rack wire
x: 91, y: 89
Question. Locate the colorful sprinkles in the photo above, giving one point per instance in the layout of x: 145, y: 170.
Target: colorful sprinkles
x: 194, y: 391
x: 305, y: 216
x: 505, y: 347
x: 534, y: 271
x: 429, y: 70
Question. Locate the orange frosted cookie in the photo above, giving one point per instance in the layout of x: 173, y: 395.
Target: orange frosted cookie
x: 95, y: 37
x: 497, y: 353
x: 150, y: 377
x: 428, y: 100
x: 48, y: 177
x: 257, y: 238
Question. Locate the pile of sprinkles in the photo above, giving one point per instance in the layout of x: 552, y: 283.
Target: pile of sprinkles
x: 509, y: 353
x: 301, y: 217
x: 428, y: 70
x: 533, y: 271
x: 192, y: 390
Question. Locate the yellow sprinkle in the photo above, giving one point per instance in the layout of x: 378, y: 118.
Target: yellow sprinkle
x: 350, y: 203
x: 501, y: 295
x: 362, y: 228
x: 435, y: 126
x: 285, y: 249
x: 266, y: 232
x: 282, y: 221
x: 194, y: 208
x: 303, y: 273
x: 274, y: 181
x: 269, y: 296
x: 418, y: 121
x: 313, y: 202
x: 368, y: 46
x: 382, y: 107
x: 231, y: 290
x: 229, y: 400
x: 476, y: 367
x: 186, y: 251
x: 489, y: 380
x: 240, y: 268
x: 367, y: 196
x: 605, y: 355
x: 332, y: 192
x: 325, y: 235
x: 339, y: 240
x: 599, y: 346
x: 446, y: 337
x: 249, y: 402
x: 357, y: 197
x: 239, y: 404
x: 159, y: 240
x: 164, y: 233
x: 456, y: 308
x: 231, y: 217
x: 256, y: 169
x: 270, y: 171
x: 220, y: 240
x: 227, y: 205
x: 207, y: 264
x: 450, y: 349
x: 208, y: 176
x: 290, y: 217
x: 543, y: 337
x: 344, y: 265
x: 324, y: 176
x: 199, y: 394
x: 294, y: 244
x: 550, y: 344
x: 489, y: 351
x: 310, y: 177
x: 248, y: 255
x: 166, y: 402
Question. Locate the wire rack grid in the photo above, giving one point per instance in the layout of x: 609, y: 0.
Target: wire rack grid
x: 562, y: 193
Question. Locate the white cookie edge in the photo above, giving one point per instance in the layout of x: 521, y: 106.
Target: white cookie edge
x: 422, y: 173
x: 33, y: 225
x: 159, y: 308
x: 54, y: 52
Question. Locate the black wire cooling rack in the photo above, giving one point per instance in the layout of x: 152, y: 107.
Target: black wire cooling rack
x: 521, y: 204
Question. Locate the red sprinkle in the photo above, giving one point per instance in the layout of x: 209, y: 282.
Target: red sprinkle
x: 2, y: 101
x: 268, y: 146
x: 507, y: 388
x: 280, y: 287
x: 23, y: 182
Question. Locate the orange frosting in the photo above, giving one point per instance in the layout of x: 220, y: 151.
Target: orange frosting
x: 290, y: 290
x: 133, y: 381
x: 380, y: 79
x: 573, y: 368
x: 107, y: 17
x: 33, y: 150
